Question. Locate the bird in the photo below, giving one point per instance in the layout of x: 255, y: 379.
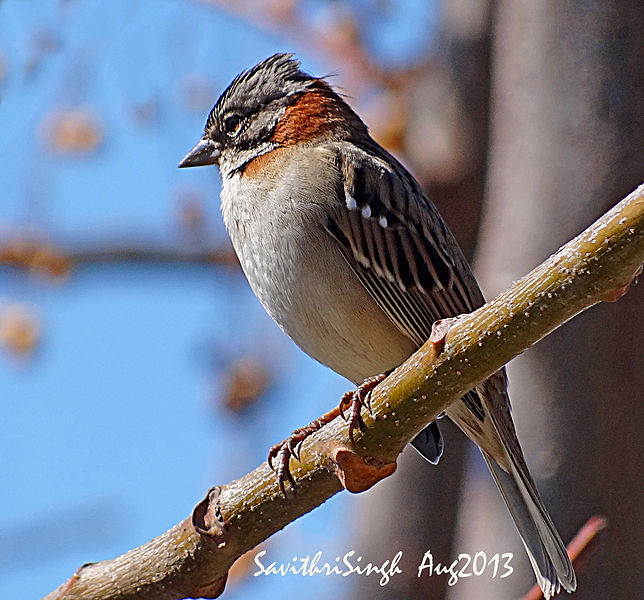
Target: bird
x: 353, y: 261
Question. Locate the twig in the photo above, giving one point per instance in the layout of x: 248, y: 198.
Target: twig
x: 149, y: 254
x: 45, y: 258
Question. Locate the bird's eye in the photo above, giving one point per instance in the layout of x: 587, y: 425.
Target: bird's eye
x: 232, y: 125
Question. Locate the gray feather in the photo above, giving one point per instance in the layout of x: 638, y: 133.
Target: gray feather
x: 545, y: 549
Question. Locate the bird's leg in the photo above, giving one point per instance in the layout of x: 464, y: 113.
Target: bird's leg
x: 291, y: 447
x: 280, y: 454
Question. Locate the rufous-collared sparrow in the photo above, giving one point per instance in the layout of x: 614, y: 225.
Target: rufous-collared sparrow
x: 355, y: 264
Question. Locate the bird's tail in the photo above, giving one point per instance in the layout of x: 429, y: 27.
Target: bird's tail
x: 497, y: 439
x: 545, y: 549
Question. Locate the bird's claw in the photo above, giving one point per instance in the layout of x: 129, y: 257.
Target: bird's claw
x: 279, y: 455
x: 356, y: 399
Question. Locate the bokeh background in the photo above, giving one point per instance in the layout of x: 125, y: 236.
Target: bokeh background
x: 136, y: 367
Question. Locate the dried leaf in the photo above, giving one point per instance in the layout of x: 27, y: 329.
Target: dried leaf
x: 73, y: 131
x: 36, y: 257
x: 246, y: 382
x: 19, y: 330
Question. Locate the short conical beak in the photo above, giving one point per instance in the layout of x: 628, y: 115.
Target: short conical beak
x: 206, y: 152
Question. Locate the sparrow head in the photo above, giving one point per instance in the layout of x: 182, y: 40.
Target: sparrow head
x: 274, y: 104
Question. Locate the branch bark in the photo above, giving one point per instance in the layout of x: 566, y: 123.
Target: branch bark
x: 192, y: 559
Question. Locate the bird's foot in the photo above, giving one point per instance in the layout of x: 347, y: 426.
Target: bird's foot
x: 356, y: 399
x: 280, y: 454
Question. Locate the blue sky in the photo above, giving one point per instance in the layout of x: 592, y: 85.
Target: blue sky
x: 107, y: 437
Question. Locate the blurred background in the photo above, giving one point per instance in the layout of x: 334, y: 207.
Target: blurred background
x: 136, y: 367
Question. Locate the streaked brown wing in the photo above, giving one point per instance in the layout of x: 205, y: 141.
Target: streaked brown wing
x: 404, y: 256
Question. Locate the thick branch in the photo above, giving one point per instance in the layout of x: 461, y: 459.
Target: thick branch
x: 193, y: 558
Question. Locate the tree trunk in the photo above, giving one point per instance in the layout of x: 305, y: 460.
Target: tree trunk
x: 567, y: 136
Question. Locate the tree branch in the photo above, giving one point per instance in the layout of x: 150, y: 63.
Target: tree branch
x: 43, y: 257
x: 192, y: 559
